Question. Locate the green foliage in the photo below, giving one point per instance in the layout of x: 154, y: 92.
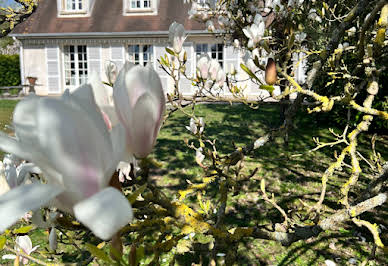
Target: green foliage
x: 5, y: 41
x: 9, y: 70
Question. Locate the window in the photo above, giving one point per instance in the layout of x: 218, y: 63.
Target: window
x: 75, y: 65
x: 216, y: 51
x: 74, y: 5
x: 140, y: 4
x: 141, y: 54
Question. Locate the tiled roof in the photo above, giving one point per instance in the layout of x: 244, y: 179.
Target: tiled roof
x: 106, y: 16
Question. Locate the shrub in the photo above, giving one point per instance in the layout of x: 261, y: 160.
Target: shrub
x: 9, y: 70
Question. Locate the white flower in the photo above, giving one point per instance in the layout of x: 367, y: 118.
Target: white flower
x: 210, y: 26
x: 203, y: 66
x: 111, y: 71
x: 176, y: 36
x: 124, y: 169
x: 199, y: 157
x: 236, y: 43
x: 210, y: 69
x: 23, y: 244
x: 68, y: 140
x: 140, y: 104
x: 314, y: 16
x: 194, y: 127
x: 103, y: 96
x: 300, y: 36
x: 255, y: 32
x: 330, y: 263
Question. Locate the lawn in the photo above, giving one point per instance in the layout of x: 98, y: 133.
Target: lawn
x: 291, y: 172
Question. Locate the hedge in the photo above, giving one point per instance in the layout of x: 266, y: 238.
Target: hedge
x: 9, y: 70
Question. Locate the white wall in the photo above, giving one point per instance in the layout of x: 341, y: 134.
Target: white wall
x: 35, y: 63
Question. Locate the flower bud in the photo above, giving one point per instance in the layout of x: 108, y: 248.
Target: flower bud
x: 270, y: 72
x: 140, y: 103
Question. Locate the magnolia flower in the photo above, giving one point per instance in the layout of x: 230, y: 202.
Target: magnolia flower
x: 111, y: 71
x: 103, y: 96
x: 210, y: 26
x: 125, y: 168
x: 193, y: 127
x: 23, y: 244
x: 210, y: 69
x: 255, y: 32
x: 176, y: 36
x: 68, y: 140
x: 199, y: 157
x: 236, y: 43
x: 15, y: 171
x: 140, y: 103
x: 314, y: 16
x: 203, y: 66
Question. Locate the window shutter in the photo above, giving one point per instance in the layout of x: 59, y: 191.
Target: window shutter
x: 159, y: 51
x: 53, y: 73
x: 231, y: 57
x: 186, y: 87
x: 94, y: 59
x: 117, y: 55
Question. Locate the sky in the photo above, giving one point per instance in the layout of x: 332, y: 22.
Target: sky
x: 5, y: 3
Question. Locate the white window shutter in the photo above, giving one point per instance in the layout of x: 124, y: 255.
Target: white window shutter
x: 159, y: 51
x: 231, y: 57
x: 53, y: 73
x: 186, y: 87
x: 117, y: 55
x: 94, y: 59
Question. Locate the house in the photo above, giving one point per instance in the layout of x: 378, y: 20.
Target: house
x: 65, y: 40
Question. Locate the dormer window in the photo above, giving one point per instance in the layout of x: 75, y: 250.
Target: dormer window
x: 140, y: 7
x: 74, y: 5
x: 75, y: 8
x: 140, y: 4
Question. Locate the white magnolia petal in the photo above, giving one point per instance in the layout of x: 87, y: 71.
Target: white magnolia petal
x: 143, y: 120
x: 83, y: 98
x: 25, y: 120
x: 24, y: 242
x: 4, y: 187
x: 34, y: 248
x: 105, y: 212
x: 11, y: 145
x: 118, y: 140
x: 81, y: 158
x: 8, y: 257
x: 18, y: 201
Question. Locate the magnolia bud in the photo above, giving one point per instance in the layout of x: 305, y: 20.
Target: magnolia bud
x: 270, y: 72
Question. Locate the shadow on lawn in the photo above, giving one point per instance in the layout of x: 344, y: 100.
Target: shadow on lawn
x: 289, y: 177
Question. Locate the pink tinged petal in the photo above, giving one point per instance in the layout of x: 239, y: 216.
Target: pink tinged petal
x: 106, y: 120
x: 18, y: 201
x: 104, y: 213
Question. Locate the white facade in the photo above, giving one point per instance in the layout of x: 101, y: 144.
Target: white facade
x: 60, y: 64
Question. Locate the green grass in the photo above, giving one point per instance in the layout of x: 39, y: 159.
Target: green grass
x: 291, y: 173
